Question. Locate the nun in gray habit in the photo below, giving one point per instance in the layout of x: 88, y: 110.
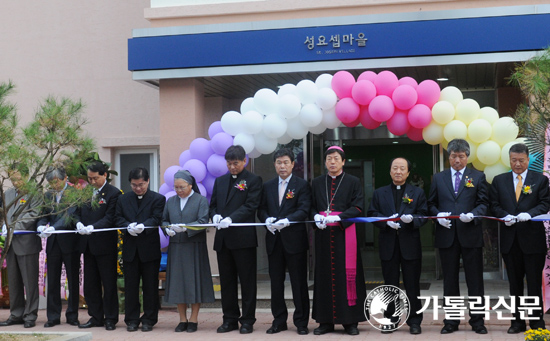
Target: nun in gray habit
x: 188, y: 276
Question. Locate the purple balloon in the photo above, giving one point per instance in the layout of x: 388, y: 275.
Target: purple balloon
x: 170, y: 194
x: 214, y: 129
x: 203, y: 191
x: 220, y: 142
x: 184, y: 157
x: 163, y: 189
x: 208, y: 182
x: 200, y: 149
x: 196, y: 168
x: 216, y: 165
x: 164, y: 240
x: 169, y: 175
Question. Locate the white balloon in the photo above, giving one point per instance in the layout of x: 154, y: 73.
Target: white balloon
x: 311, y: 115
x: 455, y: 130
x: 284, y: 139
x: 296, y: 129
x: 489, y: 114
x: 232, y: 122
x: 467, y: 110
x: 290, y: 106
x: 494, y: 170
x: 324, y: 81
x: 318, y: 129
x: 488, y: 152
x: 244, y: 140
x: 330, y: 120
x: 451, y: 94
x: 433, y: 133
x: 252, y: 122
x: 473, y: 151
x: 266, y: 101
x: 326, y: 98
x: 306, y: 91
x: 505, y: 130
x: 287, y: 89
x: 479, y: 130
x: 248, y: 105
x: 254, y: 154
x: 264, y: 144
x: 505, y: 153
x: 443, y: 112
x: 274, y: 126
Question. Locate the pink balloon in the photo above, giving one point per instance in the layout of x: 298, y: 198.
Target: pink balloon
x: 347, y: 110
x: 404, y: 97
x: 428, y: 93
x: 398, y: 124
x: 342, y: 82
x: 216, y: 165
x: 164, y: 240
x: 200, y: 149
x: 363, y: 92
x: 163, y: 189
x: 367, y: 76
x: 169, y: 175
x: 214, y: 128
x: 220, y: 142
x: 354, y: 123
x: 381, y: 108
x: 366, y: 120
x: 420, y: 116
x: 184, y: 157
x: 408, y: 81
x: 415, y: 134
x: 386, y: 82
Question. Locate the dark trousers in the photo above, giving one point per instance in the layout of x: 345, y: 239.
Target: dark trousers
x: 23, y: 281
x: 472, y: 260
x: 411, y: 279
x: 236, y: 266
x: 296, y: 263
x: 100, y: 287
x: 55, y: 259
x: 148, y: 273
x: 530, y: 267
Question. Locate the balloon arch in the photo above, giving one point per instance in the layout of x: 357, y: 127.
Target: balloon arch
x: 421, y: 111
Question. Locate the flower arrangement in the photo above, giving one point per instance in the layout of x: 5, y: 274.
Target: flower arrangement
x: 406, y: 199
x: 537, y: 335
x: 241, y: 186
x: 527, y: 189
x: 290, y: 194
x: 469, y: 182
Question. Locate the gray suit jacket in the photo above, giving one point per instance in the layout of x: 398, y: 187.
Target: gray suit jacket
x: 194, y: 212
x: 24, y: 244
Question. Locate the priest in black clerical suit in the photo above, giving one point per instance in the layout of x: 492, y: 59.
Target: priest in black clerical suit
x: 287, y: 198
x: 337, y: 298
x: 399, y: 242
x: 235, y: 198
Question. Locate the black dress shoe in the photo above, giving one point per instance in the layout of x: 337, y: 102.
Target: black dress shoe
x: 29, y: 324
x: 132, y: 327
x: 323, y: 329
x: 146, y: 327
x: 90, y: 324
x: 49, y: 324
x: 110, y: 326
x: 302, y: 331
x: 182, y: 326
x: 415, y: 329
x: 192, y: 327
x: 74, y: 322
x: 246, y: 328
x: 274, y: 329
x: 479, y: 329
x: 351, y: 330
x: 516, y: 329
x: 10, y: 322
x: 227, y: 327
x: 449, y: 328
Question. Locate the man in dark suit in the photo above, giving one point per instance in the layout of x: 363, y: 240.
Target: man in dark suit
x: 400, y: 241
x: 460, y: 191
x: 61, y: 249
x: 100, y: 250
x: 141, y: 249
x: 235, y: 198
x: 284, y: 199
x: 518, y: 196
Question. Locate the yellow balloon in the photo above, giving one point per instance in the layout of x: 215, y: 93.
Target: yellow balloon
x: 478, y: 165
x: 444, y: 144
x: 467, y: 110
x: 433, y: 134
x: 488, y: 152
x: 480, y: 130
x: 489, y: 114
x: 473, y: 151
x: 455, y: 130
x: 494, y: 170
x: 504, y: 153
x: 443, y: 112
x: 451, y: 94
x: 505, y: 130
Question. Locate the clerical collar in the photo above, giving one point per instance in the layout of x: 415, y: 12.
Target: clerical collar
x: 234, y: 176
x: 140, y: 197
x: 398, y: 187
x: 334, y: 177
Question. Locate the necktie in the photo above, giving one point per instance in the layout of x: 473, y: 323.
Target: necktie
x: 457, y: 182
x: 518, y: 187
x: 282, y: 191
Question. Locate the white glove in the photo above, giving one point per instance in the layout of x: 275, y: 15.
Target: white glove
x: 46, y: 232
x: 392, y: 222
x: 509, y: 220
x: 178, y: 228
x: 216, y: 219
x: 170, y: 232
x: 132, y: 229
x: 80, y: 228
x: 524, y: 216
x: 442, y: 221
x: 281, y: 224
x: 4, y: 230
x: 466, y: 218
x: 319, y: 221
x: 394, y: 225
x: 139, y: 228
x: 269, y: 224
x: 41, y: 228
x: 89, y: 229
x: 225, y: 223
x: 407, y: 218
x: 331, y: 219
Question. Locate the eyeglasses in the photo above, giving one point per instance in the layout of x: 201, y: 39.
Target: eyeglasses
x: 180, y: 188
x: 141, y: 185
